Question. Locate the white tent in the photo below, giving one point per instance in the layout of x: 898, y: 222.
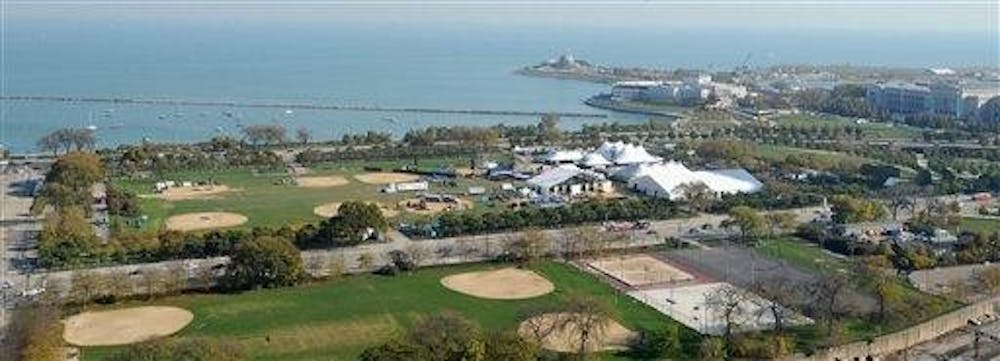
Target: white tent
x: 569, y: 179
x: 664, y: 180
x: 633, y: 154
x: 736, y: 180
x: 593, y: 160
x: 562, y: 156
x: 610, y: 150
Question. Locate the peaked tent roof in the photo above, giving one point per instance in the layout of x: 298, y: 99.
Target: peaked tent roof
x: 632, y: 154
x: 594, y: 159
x: 555, y: 176
x: 556, y: 155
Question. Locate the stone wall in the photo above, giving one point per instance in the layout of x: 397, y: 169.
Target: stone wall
x: 905, y: 339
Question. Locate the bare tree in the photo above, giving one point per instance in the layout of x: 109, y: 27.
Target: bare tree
x: 264, y: 133
x: 697, y: 195
x: 729, y: 304
x: 829, y: 291
x: 419, y: 254
x: 778, y: 293
x: 303, y: 135
x: 365, y: 261
x: 84, y: 286
x: 586, y: 319
x: 529, y: 247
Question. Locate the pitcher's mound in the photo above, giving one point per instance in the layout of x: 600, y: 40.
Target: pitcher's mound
x: 386, y: 177
x: 557, y: 332
x: 329, y: 210
x: 501, y: 284
x: 321, y: 182
x: 124, y: 326
x: 194, y: 192
x: 204, y: 220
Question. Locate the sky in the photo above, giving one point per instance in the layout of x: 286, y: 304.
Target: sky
x: 969, y: 16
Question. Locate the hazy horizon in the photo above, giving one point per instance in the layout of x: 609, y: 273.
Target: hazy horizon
x: 893, y: 16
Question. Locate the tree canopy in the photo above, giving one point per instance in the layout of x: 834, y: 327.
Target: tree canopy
x: 264, y: 262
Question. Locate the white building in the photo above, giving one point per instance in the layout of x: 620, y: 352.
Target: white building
x: 915, y: 98
x: 692, y: 90
x: 570, y: 180
x: 620, y: 153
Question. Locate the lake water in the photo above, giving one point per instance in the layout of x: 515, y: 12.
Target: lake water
x: 428, y: 66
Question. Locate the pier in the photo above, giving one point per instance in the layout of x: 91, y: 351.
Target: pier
x: 281, y: 105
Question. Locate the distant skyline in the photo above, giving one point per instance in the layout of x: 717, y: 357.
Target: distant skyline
x: 894, y: 16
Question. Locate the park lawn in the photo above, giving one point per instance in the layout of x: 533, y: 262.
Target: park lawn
x: 336, y: 320
x: 980, y: 225
x: 802, y: 254
x: 879, y: 130
x: 266, y: 202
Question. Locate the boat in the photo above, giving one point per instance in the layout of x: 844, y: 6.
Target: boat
x: 91, y: 127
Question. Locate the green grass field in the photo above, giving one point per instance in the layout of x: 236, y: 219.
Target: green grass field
x: 266, y: 202
x: 336, y: 320
x: 980, y: 225
x: 870, y: 130
x: 802, y: 254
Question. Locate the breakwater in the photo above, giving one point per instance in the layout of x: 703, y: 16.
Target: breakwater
x: 283, y: 105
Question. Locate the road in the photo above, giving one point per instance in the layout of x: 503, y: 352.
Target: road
x: 18, y: 229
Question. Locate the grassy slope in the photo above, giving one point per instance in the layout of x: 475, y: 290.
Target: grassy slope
x: 980, y: 225
x: 807, y: 256
x: 266, y: 203
x: 871, y: 130
x: 335, y: 320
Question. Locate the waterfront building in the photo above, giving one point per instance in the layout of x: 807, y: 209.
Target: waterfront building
x: 910, y: 98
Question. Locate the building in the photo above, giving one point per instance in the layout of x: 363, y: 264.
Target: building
x: 694, y: 89
x: 666, y: 180
x: 620, y: 153
x: 569, y: 180
x: 909, y: 98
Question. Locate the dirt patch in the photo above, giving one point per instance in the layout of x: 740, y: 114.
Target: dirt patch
x: 194, y: 192
x: 204, y: 220
x: 501, y: 284
x: 420, y: 206
x: 639, y: 270
x: 557, y: 332
x: 321, y: 182
x: 329, y: 210
x: 386, y: 177
x: 124, y: 326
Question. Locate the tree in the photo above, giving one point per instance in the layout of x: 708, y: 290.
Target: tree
x: 712, y: 349
x: 395, y: 350
x: 303, y: 135
x: 656, y: 344
x: 188, y: 349
x: 586, y: 319
x: 41, y: 333
x: 355, y: 222
x: 264, y: 262
x: 68, y: 182
x: 509, y: 346
x: 66, y: 239
x: 847, y: 209
x: 449, y: 337
x: 83, y: 287
x: 749, y: 222
x: 697, y: 195
x: 778, y: 293
x: 548, y: 130
x: 887, y: 291
x: 988, y: 279
x: 67, y: 139
x: 781, y: 220
x: 365, y: 261
x: 829, y: 290
x: 528, y: 248
x: 264, y: 133
x: 729, y: 304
